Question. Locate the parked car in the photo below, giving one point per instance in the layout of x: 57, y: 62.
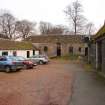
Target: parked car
x: 27, y: 63
x: 39, y: 59
x: 10, y: 63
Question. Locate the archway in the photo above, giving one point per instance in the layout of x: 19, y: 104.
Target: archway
x: 45, y: 49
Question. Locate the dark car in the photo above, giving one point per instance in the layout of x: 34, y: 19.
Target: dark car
x: 27, y: 63
x: 10, y: 63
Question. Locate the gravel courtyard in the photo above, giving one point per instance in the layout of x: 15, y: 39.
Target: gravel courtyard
x: 57, y: 83
x: 49, y: 84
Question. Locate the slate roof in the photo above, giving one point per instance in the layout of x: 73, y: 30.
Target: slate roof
x: 6, y: 44
x: 100, y: 32
x: 56, y: 39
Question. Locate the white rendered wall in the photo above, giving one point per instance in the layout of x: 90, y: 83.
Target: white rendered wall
x: 36, y: 52
x: 22, y: 53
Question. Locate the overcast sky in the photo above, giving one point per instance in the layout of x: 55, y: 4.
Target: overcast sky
x: 52, y: 10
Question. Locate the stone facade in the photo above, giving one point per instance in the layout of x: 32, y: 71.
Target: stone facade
x: 65, y: 48
x: 59, y: 45
x: 103, y: 56
x: 97, y: 50
x: 92, y: 54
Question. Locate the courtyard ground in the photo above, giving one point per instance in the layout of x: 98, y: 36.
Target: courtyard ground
x: 88, y: 88
x: 58, y: 83
x: 49, y: 84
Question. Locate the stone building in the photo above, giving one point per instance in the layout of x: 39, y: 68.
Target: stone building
x: 97, y: 50
x: 92, y: 53
x: 59, y: 45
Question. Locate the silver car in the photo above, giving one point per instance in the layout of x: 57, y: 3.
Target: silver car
x: 39, y: 59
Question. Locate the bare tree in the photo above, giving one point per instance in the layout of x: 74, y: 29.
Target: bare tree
x: 58, y: 29
x: 74, y: 12
x: 49, y: 29
x: 7, y: 24
x: 24, y: 28
x: 90, y: 28
x: 45, y: 27
x: 3, y: 36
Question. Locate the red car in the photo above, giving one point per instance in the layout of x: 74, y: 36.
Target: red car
x: 27, y: 63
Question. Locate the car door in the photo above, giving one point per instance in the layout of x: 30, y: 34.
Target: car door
x: 37, y: 59
x: 34, y: 59
x: 16, y: 61
x: 3, y: 61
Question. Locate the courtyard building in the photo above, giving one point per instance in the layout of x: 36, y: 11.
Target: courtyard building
x: 16, y: 48
x: 97, y: 50
x: 59, y: 45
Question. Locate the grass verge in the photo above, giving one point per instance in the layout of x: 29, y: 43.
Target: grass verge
x: 67, y: 57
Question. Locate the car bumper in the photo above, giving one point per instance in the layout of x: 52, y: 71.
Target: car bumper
x: 45, y: 61
x: 16, y: 67
x: 35, y: 64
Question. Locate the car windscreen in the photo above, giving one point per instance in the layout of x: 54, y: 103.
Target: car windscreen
x: 3, y: 59
x: 12, y: 58
x: 20, y: 58
x: 43, y: 56
x: 34, y: 57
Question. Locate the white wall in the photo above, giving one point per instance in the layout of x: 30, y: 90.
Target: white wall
x: 36, y: 52
x: 22, y: 53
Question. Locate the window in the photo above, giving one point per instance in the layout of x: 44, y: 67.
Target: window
x: 4, y: 53
x: 71, y: 50
x: 79, y: 49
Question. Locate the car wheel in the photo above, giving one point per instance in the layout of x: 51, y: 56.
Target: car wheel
x: 40, y: 62
x: 31, y: 67
x: 7, y: 69
x: 14, y: 70
x: 25, y: 67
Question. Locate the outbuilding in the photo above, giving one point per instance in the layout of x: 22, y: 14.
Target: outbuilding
x: 97, y: 50
x: 17, y: 48
x: 59, y: 45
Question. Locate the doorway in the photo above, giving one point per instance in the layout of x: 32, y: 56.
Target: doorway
x: 70, y: 50
x: 28, y: 54
x: 58, y: 49
x: 86, y: 51
x: 33, y: 52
